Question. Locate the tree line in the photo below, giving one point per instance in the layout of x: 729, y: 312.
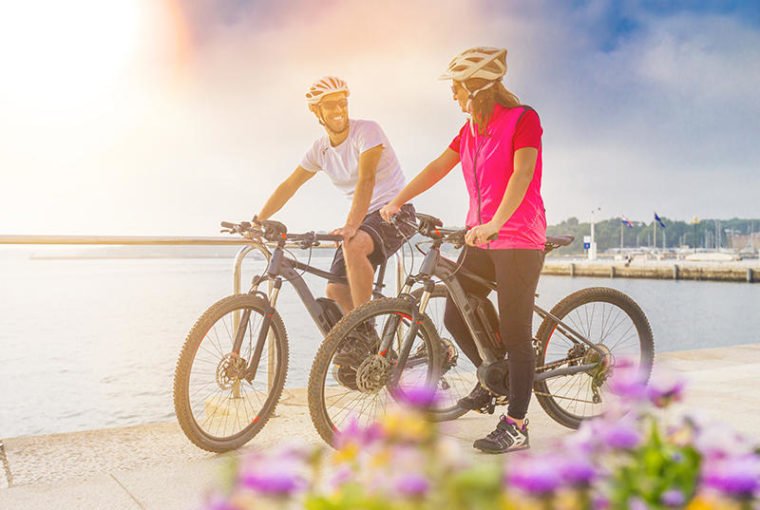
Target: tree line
x: 706, y: 233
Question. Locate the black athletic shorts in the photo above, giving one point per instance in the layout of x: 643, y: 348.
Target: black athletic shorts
x: 387, y: 239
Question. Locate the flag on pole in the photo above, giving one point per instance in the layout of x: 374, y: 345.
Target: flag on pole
x: 659, y: 220
x: 628, y: 223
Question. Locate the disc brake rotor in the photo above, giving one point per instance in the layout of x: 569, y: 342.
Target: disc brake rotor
x: 373, y: 373
x: 230, y: 370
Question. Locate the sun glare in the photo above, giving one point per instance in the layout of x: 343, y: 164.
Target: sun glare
x: 58, y: 54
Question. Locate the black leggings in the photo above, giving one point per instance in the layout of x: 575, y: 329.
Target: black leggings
x: 516, y: 275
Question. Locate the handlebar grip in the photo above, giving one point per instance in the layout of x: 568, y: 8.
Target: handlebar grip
x: 329, y: 237
x: 227, y: 224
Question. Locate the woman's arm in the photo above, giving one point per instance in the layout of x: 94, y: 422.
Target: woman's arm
x: 431, y: 174
x: 525, y: 165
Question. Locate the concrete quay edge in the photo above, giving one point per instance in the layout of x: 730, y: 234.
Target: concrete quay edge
x: 668, y: 269
x: 153, y: 466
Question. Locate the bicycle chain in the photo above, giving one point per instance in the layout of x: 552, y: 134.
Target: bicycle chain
x: 557, y: 364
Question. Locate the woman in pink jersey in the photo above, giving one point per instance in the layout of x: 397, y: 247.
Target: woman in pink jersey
x: 500, y: 152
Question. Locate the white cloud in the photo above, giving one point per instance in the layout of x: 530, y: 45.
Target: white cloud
x: 654, y: 119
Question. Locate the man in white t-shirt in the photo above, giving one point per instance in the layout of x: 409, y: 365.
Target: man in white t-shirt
x: 358, y: 158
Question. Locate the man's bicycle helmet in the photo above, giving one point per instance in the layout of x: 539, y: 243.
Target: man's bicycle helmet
x: 323, y: 86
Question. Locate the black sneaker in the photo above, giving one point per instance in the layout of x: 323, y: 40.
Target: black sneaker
x: 478, y: 398
x: 507, y: 437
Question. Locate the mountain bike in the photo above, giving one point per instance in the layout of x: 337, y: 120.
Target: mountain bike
x: 232, y: 367
x: 577, y: 344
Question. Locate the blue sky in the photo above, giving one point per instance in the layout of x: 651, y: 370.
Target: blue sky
x: 645, y: 106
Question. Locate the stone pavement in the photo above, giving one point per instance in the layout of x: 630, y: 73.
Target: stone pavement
x: 154, y: 466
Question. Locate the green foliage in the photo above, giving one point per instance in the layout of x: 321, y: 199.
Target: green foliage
x: 677, y: 233
x: 654, y: 468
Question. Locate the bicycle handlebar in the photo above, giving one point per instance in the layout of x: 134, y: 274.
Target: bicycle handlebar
x: 430, y: 226
x: 277, y: 232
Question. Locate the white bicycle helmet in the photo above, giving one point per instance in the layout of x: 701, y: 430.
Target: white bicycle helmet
x: 480, y: 62
x: 323, y: 86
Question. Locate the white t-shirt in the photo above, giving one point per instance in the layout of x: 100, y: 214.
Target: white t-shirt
x: 341, y: 163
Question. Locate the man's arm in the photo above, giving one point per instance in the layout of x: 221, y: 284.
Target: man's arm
x: 368, y: 161
x: 284, y: 192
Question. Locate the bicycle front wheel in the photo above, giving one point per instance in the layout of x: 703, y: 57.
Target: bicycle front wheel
x: 352, y: 382
x: 458, y: 375
x: 218, y: 405
x: 616, y: 325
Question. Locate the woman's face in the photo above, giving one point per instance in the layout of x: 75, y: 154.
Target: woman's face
x: 460, y: 95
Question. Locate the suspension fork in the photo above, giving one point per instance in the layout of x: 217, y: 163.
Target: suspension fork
x: 418, y: 314
x: 253, y: 366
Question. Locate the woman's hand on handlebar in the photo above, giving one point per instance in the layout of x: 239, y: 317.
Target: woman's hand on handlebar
x: 389, y: 211
x: 481, y: 234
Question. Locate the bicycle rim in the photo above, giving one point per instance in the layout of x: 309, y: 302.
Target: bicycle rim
x: 613, y: 322
x: 220, y: 408
x: 353, y: 383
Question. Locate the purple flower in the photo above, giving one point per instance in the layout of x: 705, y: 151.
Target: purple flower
x: 419, y: 397
x: 738, y: 476
x: 273, y: 476
x: 342, y: 475
x: 218, y: 502
x: 576, y: 469
x: 535, y: 475
x: 665, y: 389
x: 718, y: 442
x: 673, y: 497
x: 627, y: 381
x: 636, y: 503
x: 620, y: 435
x: 354, y: 433
x: 412, y: 485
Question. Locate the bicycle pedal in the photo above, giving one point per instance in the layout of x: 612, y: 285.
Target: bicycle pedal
x: 489, y: 408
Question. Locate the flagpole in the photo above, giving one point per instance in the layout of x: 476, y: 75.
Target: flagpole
x: 621, y: 236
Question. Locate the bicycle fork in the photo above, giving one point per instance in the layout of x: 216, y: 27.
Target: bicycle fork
x: 264, y: 335
x: 415, y: 321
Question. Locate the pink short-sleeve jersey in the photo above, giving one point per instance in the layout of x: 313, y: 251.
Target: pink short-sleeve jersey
x: 487, y: 164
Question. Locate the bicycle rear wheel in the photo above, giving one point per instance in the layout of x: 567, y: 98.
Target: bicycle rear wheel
x: 351, y: 381
x: 609, y: 319
x: 216, y: 406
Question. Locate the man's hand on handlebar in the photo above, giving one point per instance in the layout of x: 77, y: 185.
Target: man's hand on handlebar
x: 347, y: 231
x: 389, y: 211
x: 254, y: 235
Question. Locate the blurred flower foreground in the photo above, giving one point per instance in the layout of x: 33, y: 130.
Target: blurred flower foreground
x: 638, y: 456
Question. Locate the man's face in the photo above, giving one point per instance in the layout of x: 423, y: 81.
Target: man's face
x: 333, y: 109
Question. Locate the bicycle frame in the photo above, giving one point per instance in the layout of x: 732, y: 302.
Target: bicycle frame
x: 280, y: 269
x: 435, y: 265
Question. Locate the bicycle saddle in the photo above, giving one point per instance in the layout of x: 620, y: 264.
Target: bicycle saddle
x: 559, y: 240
